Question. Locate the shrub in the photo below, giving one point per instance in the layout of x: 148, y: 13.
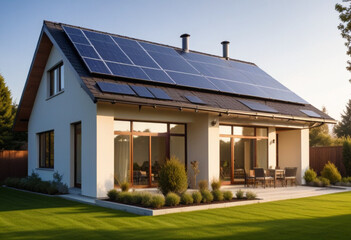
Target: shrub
x: 186, y: 199
x: 173, y: 177
x: 207, y: 196
x: 217, y: 195
x: 61, y: 187
x: 157, y: 201
x: 197, y: 197
x: 239, y: 194
x: 112, y: 194
x: 216, y: 185
x: 203, y: 185
x: 228, y: 195
x: 136, y: 197
x: 125, y: 186
x: 146, y: 199
x: 124, y: 197
x: 325, y: 182
x: 12, y: 182
x: 310, y: 175
x: 52, y: 189
x: 172, y: 199
x: 345, y: 180
x: 331, y: 172
x: 317, y: 182
x: 250, y: 195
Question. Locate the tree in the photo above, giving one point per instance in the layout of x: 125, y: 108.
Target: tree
x: 8, y: 139
x: 343, y: 127
x: 345, y: 26
x: 319, y: 136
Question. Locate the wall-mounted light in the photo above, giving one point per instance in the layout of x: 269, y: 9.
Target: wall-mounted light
x: 214, y: 122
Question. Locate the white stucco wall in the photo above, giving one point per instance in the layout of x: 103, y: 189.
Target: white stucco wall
x: 58, y: 113
x: 293, y: 151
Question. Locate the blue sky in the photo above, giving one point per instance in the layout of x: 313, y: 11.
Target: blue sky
x: 297, y: 42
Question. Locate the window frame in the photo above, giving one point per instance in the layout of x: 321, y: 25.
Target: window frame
x: 55, y: 82
x: 232, y: 141
x: 51, y: 152
x: 168, y: 135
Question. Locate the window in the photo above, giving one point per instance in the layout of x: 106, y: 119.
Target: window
x: 141, y: 148
x: 242, y: 148
x: 55, y: 83
x: 46, y: 149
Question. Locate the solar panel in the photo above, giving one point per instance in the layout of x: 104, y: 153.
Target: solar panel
x: 127, y: 71
x: 96, y: 66
x: 87, y: 51
x: 194, y: 99
x: 159, y: 93
x: 158, y: 75
x: 310, y: 113
x: 115, y: 88
x: 258, y: 106
x: 153, y: 62
x: 189, y: 80
x: 142, y: 91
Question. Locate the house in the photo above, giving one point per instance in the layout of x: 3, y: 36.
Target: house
x: 102, y: 109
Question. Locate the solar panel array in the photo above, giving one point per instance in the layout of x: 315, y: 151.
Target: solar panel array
x: 310, y: 113
x: 258, y: 106
x: 122, y: 57
x: 141, y: 91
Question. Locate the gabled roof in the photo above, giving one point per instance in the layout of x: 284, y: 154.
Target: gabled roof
x: 53, y: 34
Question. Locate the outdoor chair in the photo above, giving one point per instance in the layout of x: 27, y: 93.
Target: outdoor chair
x: 250, y: 178
x: 260, y: 176
x: 290, y: 175
x: 239, y: 176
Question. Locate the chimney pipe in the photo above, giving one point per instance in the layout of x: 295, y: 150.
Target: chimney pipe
x: 225, y: 49
x: 185, y: 41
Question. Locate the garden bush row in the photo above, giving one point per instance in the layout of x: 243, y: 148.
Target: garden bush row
x: 35, y: 184
x: 329, y: 175
x: 146, y: 199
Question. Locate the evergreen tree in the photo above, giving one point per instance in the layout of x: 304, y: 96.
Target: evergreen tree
x: 345, y: 25
x: 319, y: 136
x: 343, y: 128
x: 8, y: 139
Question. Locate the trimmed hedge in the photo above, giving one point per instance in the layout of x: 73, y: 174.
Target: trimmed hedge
x: 35, y: 184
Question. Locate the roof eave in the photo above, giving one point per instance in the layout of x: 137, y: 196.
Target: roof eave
x: 226, y: 111
x: 16, y: 126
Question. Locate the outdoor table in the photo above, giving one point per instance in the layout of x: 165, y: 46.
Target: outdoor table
x: 277, y: 174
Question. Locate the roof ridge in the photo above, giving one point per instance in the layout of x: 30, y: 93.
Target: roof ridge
x: 146, y: 41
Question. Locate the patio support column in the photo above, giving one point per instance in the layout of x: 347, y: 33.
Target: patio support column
x: 203, y: 146
x: 104, y: 150
x: 294, y: 151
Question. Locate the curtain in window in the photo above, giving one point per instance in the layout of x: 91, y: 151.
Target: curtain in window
x: 122, y: 160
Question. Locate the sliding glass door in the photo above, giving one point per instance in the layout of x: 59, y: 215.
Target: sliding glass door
x: 141, y: 148
x: 241, y: 150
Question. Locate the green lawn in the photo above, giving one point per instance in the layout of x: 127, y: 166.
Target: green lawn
x: 30, y: 216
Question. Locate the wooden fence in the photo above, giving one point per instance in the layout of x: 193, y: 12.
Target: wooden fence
x: 13, y: 164
x: 319, y: 156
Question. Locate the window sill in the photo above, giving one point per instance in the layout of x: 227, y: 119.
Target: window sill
x: 45, y: 169
x: 62, y: 91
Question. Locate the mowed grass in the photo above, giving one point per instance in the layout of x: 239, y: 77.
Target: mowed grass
x: 30, y: 216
